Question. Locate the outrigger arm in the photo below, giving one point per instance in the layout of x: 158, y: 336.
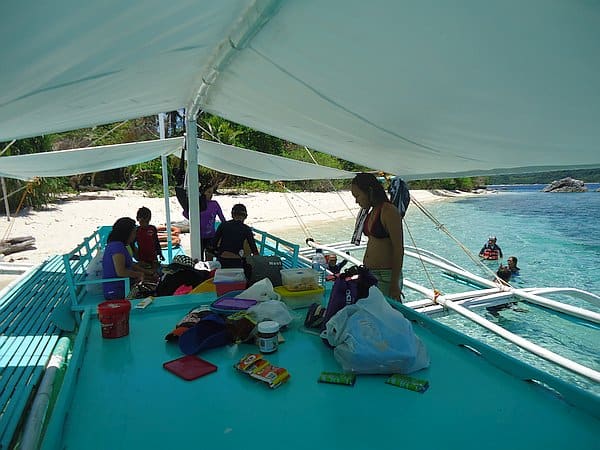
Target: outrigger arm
x: 446, y: 302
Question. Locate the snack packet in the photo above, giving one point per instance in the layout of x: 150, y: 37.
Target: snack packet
x: 260, y: 369
x: 406, y: 382
x: 347, y: 379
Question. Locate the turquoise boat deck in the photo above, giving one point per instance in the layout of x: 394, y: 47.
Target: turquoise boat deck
x: 117, y: 395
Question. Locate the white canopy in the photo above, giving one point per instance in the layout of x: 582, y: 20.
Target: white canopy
x: 221, y: 157
x: 420, y: 89
x: 84, y: 160
x: 261, y: 166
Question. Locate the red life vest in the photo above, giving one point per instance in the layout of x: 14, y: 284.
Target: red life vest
x: 489, y: 253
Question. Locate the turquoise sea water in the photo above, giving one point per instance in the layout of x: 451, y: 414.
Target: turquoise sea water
x: 556, y: 237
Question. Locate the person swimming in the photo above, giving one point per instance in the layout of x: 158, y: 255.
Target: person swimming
x: 512, y: 265
x: 491, y: 250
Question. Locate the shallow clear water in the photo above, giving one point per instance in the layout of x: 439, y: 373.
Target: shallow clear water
x: 556, y: 238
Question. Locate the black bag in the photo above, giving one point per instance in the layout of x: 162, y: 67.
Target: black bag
x: 189, y: 277
x: 142, y: 289
x: 259, y: 267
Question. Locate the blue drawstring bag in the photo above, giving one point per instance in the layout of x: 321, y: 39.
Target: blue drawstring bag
x: 209, y: 332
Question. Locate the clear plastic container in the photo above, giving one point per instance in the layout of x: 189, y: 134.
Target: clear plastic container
x: 303, y: 279
x: 227, y: 280
x: 300, y: 299
x: 229, y: 276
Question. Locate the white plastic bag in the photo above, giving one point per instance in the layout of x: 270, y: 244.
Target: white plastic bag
x: 93, y: 271
x: 260, y: 291
x: 372, y: 337
x: 207, y: 265
x: 271, y: 310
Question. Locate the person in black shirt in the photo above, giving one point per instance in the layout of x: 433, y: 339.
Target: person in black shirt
x: 512, y: 265
x: 491, y: 250
x: 231, y: 237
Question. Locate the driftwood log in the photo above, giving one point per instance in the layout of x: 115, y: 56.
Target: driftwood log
x: 17, y: 244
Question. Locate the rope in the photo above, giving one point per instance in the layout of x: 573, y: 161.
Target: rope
x: 14, y: 192
x: 307, y: 202
x: 7, y: 147
x: 107, y: 133
x: 331, y: 184
x: 28, y: 190
x: 475, y: 258
x: 298, y: 217
x: 303, y: 226
x: 209, y: 133
x: 431, y: 282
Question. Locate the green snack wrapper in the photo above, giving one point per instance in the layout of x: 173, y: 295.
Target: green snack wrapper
x: 406, y: 382
x: 347, y: 379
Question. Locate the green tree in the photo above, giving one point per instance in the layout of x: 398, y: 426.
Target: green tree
x: 35, y: 193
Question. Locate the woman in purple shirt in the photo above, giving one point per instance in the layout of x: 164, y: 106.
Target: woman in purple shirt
x: 117, y: 261
x: 207, y: 222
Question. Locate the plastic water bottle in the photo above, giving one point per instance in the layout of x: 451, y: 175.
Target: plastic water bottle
x: 319, y: 264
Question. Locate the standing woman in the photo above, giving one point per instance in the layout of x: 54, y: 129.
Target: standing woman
x: 384, y: 255
x: 207, y: 221
x: 117, y: 261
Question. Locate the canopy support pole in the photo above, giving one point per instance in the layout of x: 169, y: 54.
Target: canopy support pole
x: 165, y: 179
x: 192, y: 187
x: 6, y: 205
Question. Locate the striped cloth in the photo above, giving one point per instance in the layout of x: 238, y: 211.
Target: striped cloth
x: 358, y: 227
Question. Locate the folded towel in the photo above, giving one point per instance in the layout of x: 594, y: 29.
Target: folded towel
x: 399, y: 194
x: 358, y: 227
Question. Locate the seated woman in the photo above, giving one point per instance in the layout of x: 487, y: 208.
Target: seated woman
x: 230, y: 238
x: 384, y: 255
x: 117, y: 261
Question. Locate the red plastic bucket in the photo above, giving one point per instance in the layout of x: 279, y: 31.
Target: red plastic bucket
x: 114, y: 318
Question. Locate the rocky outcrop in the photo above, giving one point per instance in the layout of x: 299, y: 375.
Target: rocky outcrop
x: 566, y: 185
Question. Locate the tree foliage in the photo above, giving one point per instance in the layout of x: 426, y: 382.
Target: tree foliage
x: 35, y: 193
x: 461, y: 184
x: 587, y: 175
x: 148, y: 176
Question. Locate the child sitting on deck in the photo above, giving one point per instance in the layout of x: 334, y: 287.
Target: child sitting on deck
x: 148, y: 245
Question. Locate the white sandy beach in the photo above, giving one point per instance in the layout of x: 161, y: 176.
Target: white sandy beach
x: 60, y: 227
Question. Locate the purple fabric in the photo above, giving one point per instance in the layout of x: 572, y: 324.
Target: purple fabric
x: 207, y: 219
x: 349, y: 287
x: 114, y: 289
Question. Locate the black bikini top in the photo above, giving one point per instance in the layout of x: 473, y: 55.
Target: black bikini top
x: 376, y: 229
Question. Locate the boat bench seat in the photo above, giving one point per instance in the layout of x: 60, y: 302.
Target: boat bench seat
x: 270, y: 245
x: 76, y: 263
x: 27, y: 339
